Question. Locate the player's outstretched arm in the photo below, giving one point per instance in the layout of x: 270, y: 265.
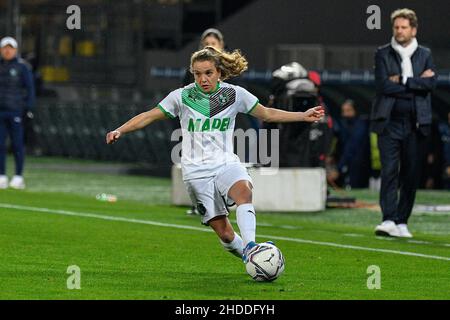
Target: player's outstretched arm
x: 277, y: 115
x: 138, y: 122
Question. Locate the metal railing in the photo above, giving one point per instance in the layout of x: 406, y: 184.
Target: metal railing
x: 78, y: 130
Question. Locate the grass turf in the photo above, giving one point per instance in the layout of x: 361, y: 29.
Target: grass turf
x: 129, y: 260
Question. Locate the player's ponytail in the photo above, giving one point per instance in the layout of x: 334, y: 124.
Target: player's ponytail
x: 230, y: 64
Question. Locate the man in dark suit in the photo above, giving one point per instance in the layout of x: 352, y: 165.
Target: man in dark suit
x: 401, y: 116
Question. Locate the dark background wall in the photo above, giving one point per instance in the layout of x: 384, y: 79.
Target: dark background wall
x: 330, y: 22
x: 265, y: 24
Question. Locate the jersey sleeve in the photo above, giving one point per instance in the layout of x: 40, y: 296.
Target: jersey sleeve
x: 247, y: 100
x: 170, y: 105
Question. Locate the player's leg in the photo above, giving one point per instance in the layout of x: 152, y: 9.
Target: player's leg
x: 229, y: 239
x: 213, y: 211
x: 233, y: 182
x: 241, y: 193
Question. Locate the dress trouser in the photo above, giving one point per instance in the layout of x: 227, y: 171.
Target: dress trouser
x: 11, y: 123
x: 399, y: 153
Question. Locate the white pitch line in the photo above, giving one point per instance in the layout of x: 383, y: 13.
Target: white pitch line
x: 354, y: 235
x: 332, y: 244
x: 100, y: 216
x: 418, y: 241
x: 178, y: 226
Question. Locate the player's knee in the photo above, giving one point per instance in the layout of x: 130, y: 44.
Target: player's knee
x: 245, y: 196
x: 241, y: 192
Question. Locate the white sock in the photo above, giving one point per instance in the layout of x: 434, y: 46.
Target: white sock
x: 246, y: 220
x: 235, y: 247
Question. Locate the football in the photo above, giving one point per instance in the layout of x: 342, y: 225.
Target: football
x: 265, y: 262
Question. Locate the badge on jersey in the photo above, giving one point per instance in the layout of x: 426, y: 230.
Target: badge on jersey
x: 223, y: 99
x: 13, y: 72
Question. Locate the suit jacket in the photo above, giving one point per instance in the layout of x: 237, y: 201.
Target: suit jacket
x: 388, y: 63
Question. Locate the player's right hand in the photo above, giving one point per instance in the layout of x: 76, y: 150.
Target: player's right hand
x: 112, y: 136
x: 314, y: 114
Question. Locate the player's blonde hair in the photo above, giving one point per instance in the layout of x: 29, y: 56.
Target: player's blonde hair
x: 230, y: 64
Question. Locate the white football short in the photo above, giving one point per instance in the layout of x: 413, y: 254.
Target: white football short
x: 210, y: 194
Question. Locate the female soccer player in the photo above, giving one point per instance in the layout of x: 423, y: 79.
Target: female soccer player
x: 211, y: 171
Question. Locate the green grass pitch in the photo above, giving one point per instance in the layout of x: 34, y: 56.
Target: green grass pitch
x: 140, y: 247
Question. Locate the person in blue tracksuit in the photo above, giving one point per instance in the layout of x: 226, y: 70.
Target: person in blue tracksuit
x: 17, y: 95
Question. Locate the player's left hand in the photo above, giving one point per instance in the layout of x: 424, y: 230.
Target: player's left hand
x: 314, y: 114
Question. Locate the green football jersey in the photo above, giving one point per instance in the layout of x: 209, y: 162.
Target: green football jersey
x: 207, y: 123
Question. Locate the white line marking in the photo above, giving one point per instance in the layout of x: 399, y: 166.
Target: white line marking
x: 418, y: 241
x: 285, y: 226
x: 355, y: 235
x: 100, y: 216
x: 160, y: 224
x: 385, y: 238
x: 332, y: 244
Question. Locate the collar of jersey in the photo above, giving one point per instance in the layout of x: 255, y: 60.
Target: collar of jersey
x: 208, y: 93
